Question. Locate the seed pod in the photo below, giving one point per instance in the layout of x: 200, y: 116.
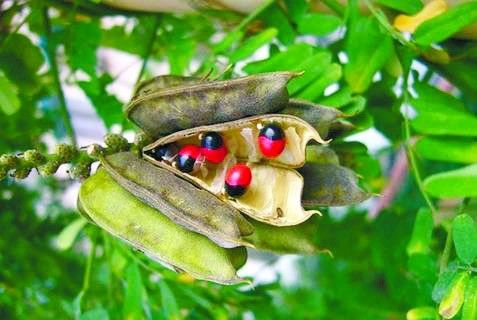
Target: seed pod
x: 183, y: 203
x: 274, y: 195
x: 299, y: 239
x: 162, y: 82
x: 120, y: 213
x: 189, y: 105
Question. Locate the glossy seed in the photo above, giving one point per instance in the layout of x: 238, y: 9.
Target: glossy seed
x: 271, y: 140
x: 213, y: 148
x: 237, y: 179
x: 166, y: 152
x: 187, y: 158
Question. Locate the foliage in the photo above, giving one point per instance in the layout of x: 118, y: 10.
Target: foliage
x: 415, y: 258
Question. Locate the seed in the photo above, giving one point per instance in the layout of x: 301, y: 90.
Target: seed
x: 271, y: 140
x: 237, y: 179
x: 166, y: 152
x: 213, y: 148
x: 187, y: 158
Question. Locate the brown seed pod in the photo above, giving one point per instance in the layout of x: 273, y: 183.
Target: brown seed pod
x: 163, y: 111
x: 274, y: 195
x: 180, y: 201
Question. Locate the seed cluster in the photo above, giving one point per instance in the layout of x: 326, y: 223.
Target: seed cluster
x: 189, y: 158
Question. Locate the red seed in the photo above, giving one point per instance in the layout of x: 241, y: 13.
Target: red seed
x: 237, y: 179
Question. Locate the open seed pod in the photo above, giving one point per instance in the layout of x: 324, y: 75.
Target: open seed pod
x: 182, y: 202
x: 103, y: 201
x: 169, y: 104
x: 274, y: 195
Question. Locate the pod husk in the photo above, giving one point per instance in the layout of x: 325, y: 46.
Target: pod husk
x: 183, y: 203
x: 274, y: 196
x: 161, y: 82
x: 123, y: 215
x: 299, y: 239
x: 164, y: 111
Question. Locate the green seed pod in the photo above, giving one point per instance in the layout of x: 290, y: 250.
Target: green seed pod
x: 183, y: 203
x: 299, y: 239
x: 117, y: 211
x: 65, y: 152
x: 320, y: 117
x: 21, y: 173
x: 116, y: 142
x: 330, y: 185
x: 9, y: 161
x: 164, y: 111
x: 274, y: 195
x: 34, y: 157
x: 49, y: 168
x: 454, y: 297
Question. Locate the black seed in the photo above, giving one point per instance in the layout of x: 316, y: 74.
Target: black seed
x: 185, y: 164
x: 272, y: 132
x: 212, y: 140
x: 235, y: 191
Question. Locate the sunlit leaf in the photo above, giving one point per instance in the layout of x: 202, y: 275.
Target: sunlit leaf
x: 169, y: 303
x: 461, y: 150
x: 454, y: 296
x: 9, y: 101
x: 68, y: 235
x: 458, y: 183
x: 464, y: 232
x: 469, y: 309
x: 421, y: 233
x: 133, y: 300
x: 252, y: 44
x: 318, y: 24
x: 407, y: 6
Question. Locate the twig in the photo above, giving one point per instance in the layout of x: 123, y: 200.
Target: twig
x: 56, y: 77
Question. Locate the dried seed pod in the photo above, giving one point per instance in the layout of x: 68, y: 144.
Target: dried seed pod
x: 162, y: 82
x: 163, y: 111
x: 182, y: 202
x: 120, y: 213
x: 274, y: 195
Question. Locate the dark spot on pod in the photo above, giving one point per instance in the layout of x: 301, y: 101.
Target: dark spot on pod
x: 237, y: 180
x: 213, y: 147
x: 187, y: 158
x: 166, y: 152
x: 271, y: 140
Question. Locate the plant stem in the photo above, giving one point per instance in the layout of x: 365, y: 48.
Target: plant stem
x: 89, y: 265
x: 149, y: 47
x: 56, y: 77
x: 446, y: 252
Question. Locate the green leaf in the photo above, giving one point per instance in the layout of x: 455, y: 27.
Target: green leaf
x: 338, y: 99
x: 297, y: 9
x: 439, y: 113
x: 133, y: 297
x: 81, y: 42
x: 228, y: 41
x: 283, y: 61
x: 355, y: 107
x: 67, y: 236
x: 469, y: 309
x: 454, y: 296
x: 315, y: 90
x: 458, y: 183
x: 95, y: 314
x: 422, y: 233
x: 446, y: 24
x: 252, y: 44
x: 368, y: 50
x: 460, y: 150
x: 443, y: 283
x: 406, y: 6
x: 313, y: 67
x: 464, y: 232
x: 9, y: 101
x: 422, y: 313
x: 168, y: 302
x: 319, y: 24
x: 274, y: 17
x: 20, y: 60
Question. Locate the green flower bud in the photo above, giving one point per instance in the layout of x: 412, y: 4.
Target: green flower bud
x: 94, y: 151
x: 65, y: 152
x: 21, y: 173
x: 34, y: 157
x: 80, y: 171
x: 3, y: 172
x: 49, y: 168
x: 9, y: 161
x: 116, y: 142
